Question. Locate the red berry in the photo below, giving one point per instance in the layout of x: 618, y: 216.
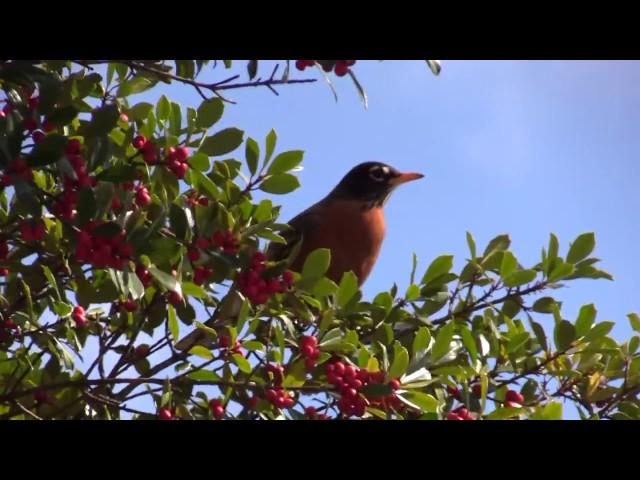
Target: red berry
x: 476, y: 389
x: 453, y: 416
x: 139, y: 142
x: 341, y: 68
x: 165, y: 414
x: 73, y: 147
x: 142, y: 197
x: 48, y: 126
x: 30, y: 124
x: 394, y: 384
x: 130, y: 305
x: 193, y: 254
x: 218, y: 412
x: 202, y: 243
x: 4, y: 272
x: 462, y: 412
x: 38, y: 136
x: 510, y: 404
x: 78, y: 311
x: 181, y: 154
x: 203, y: 201
x: 310, y: 412
x: 301, y: 64
x: 141, y: 351
x: 513, y: 396
x: 453, y: 391
x: 339, y: 368
x: 307, y: 351
x: 175, y: 298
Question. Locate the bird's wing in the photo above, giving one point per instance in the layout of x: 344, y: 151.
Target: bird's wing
x: 301, y: 225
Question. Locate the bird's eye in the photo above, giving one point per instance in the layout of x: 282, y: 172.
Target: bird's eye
x: 377, y: 173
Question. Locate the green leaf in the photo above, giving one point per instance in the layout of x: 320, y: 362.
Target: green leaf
x: 209, y: 112
x: 540, y: 334
x: 103, y: 120
x: 317, y: 263
x: 413, y: 292
x: 164, y: 279
x: 599, y: 330
x: 472, y: 245
x: 48, y: 151
x: 87, y: 205
x: 421, y: 341
x: 199, y: 161
x: 296, y: 375
x: 438, y: 267
x: 285, y: 161
x: 201, y: 352
x: 400, y: 363
x: 469, y: 342
x: 193, y: 290
x: 62, y: 309
x: 163, y: 108
x: 173, y: 323
x: 634, y: 320
x: 581, y: 247
x: 223, y: 142
x: 204, y: 376
x: 137, y: 84
x: 426, y: 402
x: 347, y: 289
x: 52, y: 281
x: 270, y: 144
x: 544, y: 305
x: 509, y: 264
x: 520, y: 277
x: 552, y: 411
x: 561, y: 271
x: 133, y: 285
x: 585, y: 320
x: 242, y: 363
x: 499, y: 243
x: 252, y: 154
x: 178, y: 221
x: 280, y: 184
x: 565, y: 334
x: 504, y: 412
x: 140, y: 111
x: 443, y: 341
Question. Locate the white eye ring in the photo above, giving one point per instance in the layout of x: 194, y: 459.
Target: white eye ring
x: 378, y: 173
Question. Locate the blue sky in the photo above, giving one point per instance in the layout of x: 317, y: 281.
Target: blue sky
x: 519, y: 147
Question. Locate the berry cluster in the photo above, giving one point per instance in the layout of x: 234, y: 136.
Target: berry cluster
x: 144, y: 275
x: 4, y: 253
x: 312, y: 414
x: 176, y: 159
x: 201, y: 274
x: 257, y: 288
x: 102, y: 251
x: 460, y: 413
x: 217, y: 409
x: 32, y: 231
x: 224, y: 343
x: 8, y: 328
x: 17, y: 169
x: 193, y: 198
x: 349, y: 380
x: 78, y: 316
x: 309, y: 351
x: 143, y: 198
x: 339, y: 67
x: 226, y: 241
x: 279, y: 397
x: 65, y: 204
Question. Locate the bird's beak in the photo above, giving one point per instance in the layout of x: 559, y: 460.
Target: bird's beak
x: 405, y: 177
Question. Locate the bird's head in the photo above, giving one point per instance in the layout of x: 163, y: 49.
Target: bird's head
x: 372, y: 182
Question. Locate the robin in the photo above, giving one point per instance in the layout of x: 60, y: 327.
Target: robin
x: 349, y: 221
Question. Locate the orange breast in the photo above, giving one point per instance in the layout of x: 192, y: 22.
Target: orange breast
x: 353, y: 234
